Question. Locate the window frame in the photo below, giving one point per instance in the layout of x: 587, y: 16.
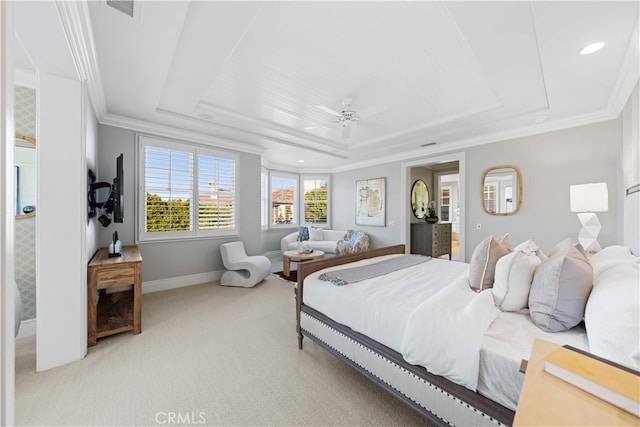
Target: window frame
x: 265, y: 185
x: 302, y: 209
x: 142, y: 236
x: 296, y: 203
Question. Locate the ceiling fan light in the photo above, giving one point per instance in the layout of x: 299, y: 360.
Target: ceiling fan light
x: 593, y: 47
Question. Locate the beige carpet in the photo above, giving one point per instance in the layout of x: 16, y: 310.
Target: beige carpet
x: 207, y: 355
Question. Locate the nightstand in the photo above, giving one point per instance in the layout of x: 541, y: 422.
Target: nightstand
x: 114, y: 312
x: 546, y: 400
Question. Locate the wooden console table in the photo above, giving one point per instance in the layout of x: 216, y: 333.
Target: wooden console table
x: 112, y: 313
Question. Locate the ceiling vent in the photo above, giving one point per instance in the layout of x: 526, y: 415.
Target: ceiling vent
x: 124, y: 6
x: 428, y: 144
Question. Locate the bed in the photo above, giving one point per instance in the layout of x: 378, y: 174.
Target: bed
x: 379, y: 350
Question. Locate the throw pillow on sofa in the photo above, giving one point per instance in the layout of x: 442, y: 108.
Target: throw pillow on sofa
x: 315, y: 234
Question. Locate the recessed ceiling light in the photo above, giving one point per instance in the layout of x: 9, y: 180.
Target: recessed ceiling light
x: 205, y: 116
x: 300, y: 161
x: 593, y: 47
x: 540, y: 119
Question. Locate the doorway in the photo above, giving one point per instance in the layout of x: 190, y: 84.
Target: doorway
x: 444, y: 176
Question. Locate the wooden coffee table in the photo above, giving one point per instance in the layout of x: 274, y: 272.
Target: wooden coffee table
x: 289, y: 256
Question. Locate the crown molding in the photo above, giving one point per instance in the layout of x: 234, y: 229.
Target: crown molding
x: 629, y: 74
x: 177, y: 133
x: 489, y: 138
x: 77, y: 27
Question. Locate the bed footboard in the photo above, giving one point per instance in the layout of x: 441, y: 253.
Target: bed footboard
x: 441, y: 401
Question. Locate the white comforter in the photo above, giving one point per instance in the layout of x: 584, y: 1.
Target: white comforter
x: 379, y: 307
x: 445, y: 332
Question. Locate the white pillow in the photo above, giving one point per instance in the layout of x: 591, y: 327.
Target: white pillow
x: 531, y: 246
x: 610, y: 257
x: 483, y: 262
x: 612, y: 316
x: 560, y: 289
x: 513, y: 277
x: 315, y: 234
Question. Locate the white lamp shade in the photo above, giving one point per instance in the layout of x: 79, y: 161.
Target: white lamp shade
x: 589, y: 197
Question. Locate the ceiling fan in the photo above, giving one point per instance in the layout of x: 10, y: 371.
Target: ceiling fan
x: 348, y: 117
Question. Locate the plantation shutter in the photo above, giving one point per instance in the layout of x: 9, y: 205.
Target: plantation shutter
x: 315, y: 201
x: 186, y: 190
x: 168, y: 187
x: 216, y: 192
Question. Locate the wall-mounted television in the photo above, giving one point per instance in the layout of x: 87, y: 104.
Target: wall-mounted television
x: 113, y: 204
x: 117, y: 191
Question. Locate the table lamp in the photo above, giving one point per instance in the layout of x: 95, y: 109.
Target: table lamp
x: 586, y: 200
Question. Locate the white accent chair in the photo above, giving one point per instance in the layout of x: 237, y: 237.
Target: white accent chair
x: 242, y: 270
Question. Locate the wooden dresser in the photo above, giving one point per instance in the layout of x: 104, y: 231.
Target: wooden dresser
x: 112, y: 313
x: 431, y: 239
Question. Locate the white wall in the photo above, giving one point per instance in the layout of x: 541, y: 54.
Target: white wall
x: 629, y: 231
x: 91, y: 146
x: 165, y: 260
x: 61, y: 223
x: 344, y: 212
x: 7, y: 282
x: 549, y: 163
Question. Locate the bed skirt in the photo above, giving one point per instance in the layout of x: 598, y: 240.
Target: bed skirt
x: 406, y: 383
x: 441, y: 401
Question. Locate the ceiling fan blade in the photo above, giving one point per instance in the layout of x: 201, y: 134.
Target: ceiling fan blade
x: 345, y: 132
x: 329, y: 110
x: 372, y: 111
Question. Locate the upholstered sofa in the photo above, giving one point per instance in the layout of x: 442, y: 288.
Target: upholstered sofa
x: 331, y: 242
x: 319, y: 239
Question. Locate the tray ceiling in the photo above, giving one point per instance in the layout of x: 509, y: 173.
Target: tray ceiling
x: 254, y: 74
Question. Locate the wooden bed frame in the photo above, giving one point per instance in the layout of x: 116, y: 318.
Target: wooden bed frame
x: 441, y: 401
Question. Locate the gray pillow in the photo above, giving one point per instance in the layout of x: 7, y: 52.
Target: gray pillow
x: 560, y: 289
x: 482, y: 266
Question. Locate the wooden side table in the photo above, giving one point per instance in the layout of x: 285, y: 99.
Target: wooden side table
x: 546, y: 400
x: 296, y: 256
x: 112, y: 313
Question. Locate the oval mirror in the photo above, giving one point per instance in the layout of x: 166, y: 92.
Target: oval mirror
x: 25, y: 176
x: 502, y: 190
x: 419, y: 199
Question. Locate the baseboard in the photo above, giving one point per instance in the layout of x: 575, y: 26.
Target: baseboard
x: 180, y: 282
x: 27, y: 328
x: 273, y: 254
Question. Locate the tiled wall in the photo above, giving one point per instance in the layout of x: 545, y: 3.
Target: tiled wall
x: 25, y: 229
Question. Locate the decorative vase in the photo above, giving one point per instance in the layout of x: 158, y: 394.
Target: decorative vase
x: 300, y: 247
x: 432, y: 219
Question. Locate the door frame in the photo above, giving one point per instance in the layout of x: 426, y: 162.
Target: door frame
x: 405, y: 185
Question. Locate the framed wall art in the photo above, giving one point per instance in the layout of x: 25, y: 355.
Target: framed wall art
x: 370, y: 202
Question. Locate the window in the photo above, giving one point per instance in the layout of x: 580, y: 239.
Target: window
x: 445, y: 203
x: 490, y: 191
x: 189, y: 191
x: 315, y: 206
x: 264, y: 198
x: 284, y: 199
